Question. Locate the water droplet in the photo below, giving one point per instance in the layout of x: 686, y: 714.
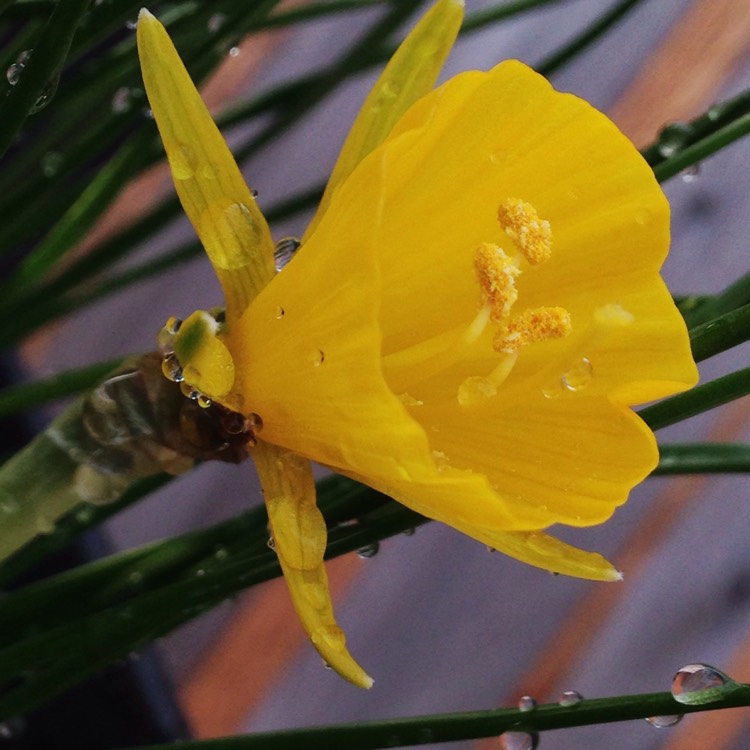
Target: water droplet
x: 183, y: 161
x: 48, y: 93
x: 554, y: 390
x: 662, y: 722
x: 519, y: 740
x: 12, y: 728
x: 715, y: 112
x: 570, y: 698
x: 8, y: 506
x: 170, y: 366
x: 51, y: 163
x: 221, y: 553
x: 409, y: 532
x: 578, y: 377
x: 148, y: 113
x: 122, y: 100
x: 200, y: 573
x: 317, y: 357
x: 215, y: 22
x: 284, y: 251
x: 13, y: 74
x: 135, y: 578
x: 695, y: 684
x: 165, y: 337
x: 44, y: 524
x: 690, y: 174
x: 131, y: 25
x: 642, y: 217
x: 613, y: 315
x: 279, y: 312
x: 271, y: 543
x: 369, y: 550
x: 234, y: 51
x: 673, y: 137
x: 526, y: 703
x: 498, y: 158
x: 475, y: 389
x: 331, y: 636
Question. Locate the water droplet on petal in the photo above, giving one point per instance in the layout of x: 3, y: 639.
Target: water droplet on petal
x: 475, y: 389
x: 519, y: 740
x: 526, y: 703
x: 695, y: 684
x: 570, y: 698
x: 613, y: 315
x: 329, y: 635
x: 284, y: 251
x: 271, y: 543
x: 662, y: 722
x: 233, y: 51
x: 369, y: 550
x: 279, y: 312
x: 183, y: 161
x: 642, y: 217
x: 170, y: 366
x: 317, y: 357
x: 579, y: 376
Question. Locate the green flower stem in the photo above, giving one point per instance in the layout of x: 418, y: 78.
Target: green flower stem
x: 422, y: 730
x: 43, y: 68
x: 26, y: 395
x: 697, y: 152
x: 703, y: 458
x: 102, y: 611
x: 586, y: 38
x: 701, y: 309
x: 701, y: 398
x: 81, y: 519
x: 721, y: 333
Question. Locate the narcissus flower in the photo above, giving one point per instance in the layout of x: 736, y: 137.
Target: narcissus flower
x: 473, y: 311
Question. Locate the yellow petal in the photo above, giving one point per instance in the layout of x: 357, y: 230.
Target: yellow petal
x: 210, y: 186
x: 299, y: 534
x: 206, y: 362
x: 484, y: 137
x: 410, y: 74
x: 547, y: 552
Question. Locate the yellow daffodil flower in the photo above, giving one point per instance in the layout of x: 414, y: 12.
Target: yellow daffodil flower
x: 473, y: 311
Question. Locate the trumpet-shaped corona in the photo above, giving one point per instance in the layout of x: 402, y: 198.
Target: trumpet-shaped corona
x: 479, y: 359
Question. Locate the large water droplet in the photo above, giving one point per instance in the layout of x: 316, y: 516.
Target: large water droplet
x: 662, y: 722
x: 519, y: 740
x: 695, y: 684
x: 526, y: 703
x: 579, y: 376
x: 170, y: 366
x: 570, y: 698
x: 690, y: 174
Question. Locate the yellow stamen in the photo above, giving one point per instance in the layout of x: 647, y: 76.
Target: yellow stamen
x: 520, y: 221
x: 496, y: 273
x: 531, y: 326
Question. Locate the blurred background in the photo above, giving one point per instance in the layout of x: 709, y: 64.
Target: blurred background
x: 441, y: 623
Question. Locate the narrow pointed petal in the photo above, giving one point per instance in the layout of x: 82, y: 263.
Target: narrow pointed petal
x: 409, y: 75
x: 211, y: 188
x: 299, y: 535
x: 548, y: 553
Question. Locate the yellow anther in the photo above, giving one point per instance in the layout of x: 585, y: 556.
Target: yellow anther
x: 520, y: 221
x: 496, y: 273
x: 531, y: 326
